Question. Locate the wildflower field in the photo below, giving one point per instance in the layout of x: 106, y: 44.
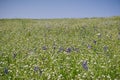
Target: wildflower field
x: 60, y: 49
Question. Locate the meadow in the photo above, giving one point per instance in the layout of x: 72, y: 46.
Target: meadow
x: 60, y: 49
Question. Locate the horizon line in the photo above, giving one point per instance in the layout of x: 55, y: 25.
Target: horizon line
x: 66, y: 17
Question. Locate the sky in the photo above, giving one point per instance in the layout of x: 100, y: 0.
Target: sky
x: 59, y: 8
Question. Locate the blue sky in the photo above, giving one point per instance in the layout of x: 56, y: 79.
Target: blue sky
x: 58, y: 8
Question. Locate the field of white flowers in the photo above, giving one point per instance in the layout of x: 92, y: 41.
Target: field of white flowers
x: 60, y: 49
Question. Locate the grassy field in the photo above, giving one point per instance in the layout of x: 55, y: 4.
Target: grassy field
x: 60, y: 49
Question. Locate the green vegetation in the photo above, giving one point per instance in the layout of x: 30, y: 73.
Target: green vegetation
x: 60, y: 49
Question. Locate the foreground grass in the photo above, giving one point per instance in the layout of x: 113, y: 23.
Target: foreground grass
x: 60, y: 49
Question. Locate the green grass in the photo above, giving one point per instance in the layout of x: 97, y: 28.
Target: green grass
x: 37, y: 49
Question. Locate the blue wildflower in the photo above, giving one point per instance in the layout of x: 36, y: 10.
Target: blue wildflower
x: 44, y: 48
x: 36, y: 68
x: 105, y: 48
x: 89, y: 46
x: 6, y: 70
x: 68, y: 50
x: 94, y: 41
x: 84, y: 65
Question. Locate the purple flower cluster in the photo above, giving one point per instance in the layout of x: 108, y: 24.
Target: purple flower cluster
x: 68, y: 50
x: 84, y: 65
